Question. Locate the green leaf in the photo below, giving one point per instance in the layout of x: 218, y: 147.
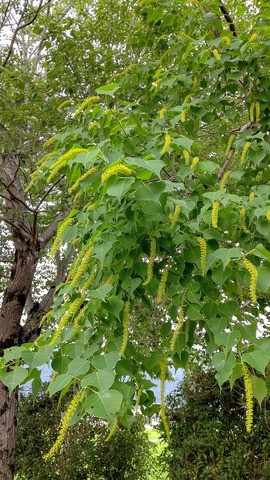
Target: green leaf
x: 78, y: 366
x: 194, y: 312
x: 13, y: 353
x: 227, y: 254
x: 14, y: 378
x: 40, y: 357
x: 130, y: 284
x: 100, y: 292
x: 108, y: 89
x: 184, y: 142
x: 36, y: 385
x: 102, y: 379
x: 104, y: 404
x: 120, y: 187
x: 220, y: 275
x: 227, y: 339
x: 150, y: 192
x: 257, y: 359
x: 114, y: 305
x: 153, y: 166
x: 261, y: 251
x: 106, y: 362
x: 101, y: 249
x: 60, y: 382
x: 263, y: 279
x: 258, y: 388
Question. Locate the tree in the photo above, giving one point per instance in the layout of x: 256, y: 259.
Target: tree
x: 166, y: 216
x: 208, y: 438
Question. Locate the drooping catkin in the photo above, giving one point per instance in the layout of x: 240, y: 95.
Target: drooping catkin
x: 251, y: 196
x: 151, y: 262
x: 214, y: 217
x: 63, y: 160
x: 138, y: 399
x: 187, y: 325
x: 162, y: 285
x: 253, y: 279
x: 53, y: 377
x: 83, y: 266
x: 226, y: 40
x: 229, y: 144
x: 253, y: 37
x: 183, y: 115
x: 113, y: 429
x: 216, y: 54
x: 65, y: 318
x: 243, y: 220
x: 118, y: 169
x: 81, y: 178
x: 268, y: 215
x: 258, y: 111
x: 177, y: 329
x: 203, y: 248
x: 85, y: 104
x: 195, y: 161
x: 58, y: 239
x: 186, y: 157
x: 251, y: 112
x: 249, y: 397
x: 167, y: 144
x: 163, y: 371
x: 80, y: 315
x: 64, y: 104
x: 126, y: 318
x: 162, y: 112
x: 65, y: 424
x: 173, y: 217
x: 224, y: 179
x: 244, y: 152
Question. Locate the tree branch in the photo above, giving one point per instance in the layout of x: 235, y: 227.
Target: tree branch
x: 228, y: 19
x: 51, y: 230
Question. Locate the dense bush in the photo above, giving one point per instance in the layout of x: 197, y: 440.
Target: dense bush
x: 208, y: 437
x: 85, y: 454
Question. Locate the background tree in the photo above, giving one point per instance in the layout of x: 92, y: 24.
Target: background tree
x: 208, y: 437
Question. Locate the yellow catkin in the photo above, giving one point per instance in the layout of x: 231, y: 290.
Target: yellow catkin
x: 83, y: 266
x: 163, y: 371
x: 187, y: 325
x: 187, y: 36
x: 93, y: 125
x: 63, y: 105
x: 113, y: 429
x: 183, y: 115
x: 162, y: 285
x: 177, y: 330
x: 251, y: 112
x: 126, y: 70
x: 216, y: 54
x: 195, y: 162
x: 268, y: 215
x: 85, y: 104
x: 258, y: 111
x: 80, y: 316
x: 187, y: 98
x: 115, y: 170
x: 214, y: 217
x: 226, y: 40
x: 50, y: 141
x: 138, y: 399
x: 243, y: 220
x: 58, y: 239
x: 251, y: 196
x: 162, y: 112
x: 151, y: 261
x: 126, y: 318
x: 249, y: 397
x: 253, y: 37
x: 253, y: 279
x: 65, y: 318
x: 229, y: 144
x: 82, y: 177
x: 166, y: 144
x: 158, y: 72
x: 173, y: 217
x: 53, y: 377
x: 244, y: 152
x: 89, y: 280
x: 76, y: 264
x: 195, y: 83
x: 203, y: 248
x: 63, y: 160
x: 156, y: 84
x: 65, y: 424
x: 186, y: 157
x: 92, y: 206
x: 224, y: 179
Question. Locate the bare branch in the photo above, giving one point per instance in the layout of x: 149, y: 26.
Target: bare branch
x: 228, y: 18
x: 51, y: 230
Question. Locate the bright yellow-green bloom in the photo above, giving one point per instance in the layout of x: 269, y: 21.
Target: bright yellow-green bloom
x: 151, y: 261
x: 258, y: 111
x: 215, y: 209
x: 158, y: 72
x: 80, y: 315
x: 155, y: 84
x: 253, y: 37
x: 216, y: 54
x: 65, y: 424
x: 139, y: 394
x: 186, y: 156
x: 126, y: 318
x: 166, y: 144
x: 253, y: 280
x: 162, y: 112
x: 251, y: 196
x: 195, y: 161
x: 243, y: 220
x: 177, y: 330
x: 268, y: 215
x: 50, y: 141
x: 173, y: 217
x: 162, y: 285
x: 118, y: 169
x: 113, y: 429
x: 65, y: 318
x: 203, y: 248
x: 249, y: 397
x: 58, y: 239
x: 226, y: 40
x: 244, y: 152
x: 187, y: 98
x: 90, y: 279
x: 83, y: 266
x: 187, y: 324
x: 85, y: 104
x: 163, y: 371
x: 82, y: 177
x: 63, y: 160
x: 251, y: 112
x: 183, y: 115
x: 229, y: 144
x: 195, y: 83
x: 224, y: 179
x: 93, y: 125
x: 63, y: 104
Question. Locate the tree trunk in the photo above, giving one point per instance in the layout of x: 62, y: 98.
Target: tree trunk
x: 8, y: 428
